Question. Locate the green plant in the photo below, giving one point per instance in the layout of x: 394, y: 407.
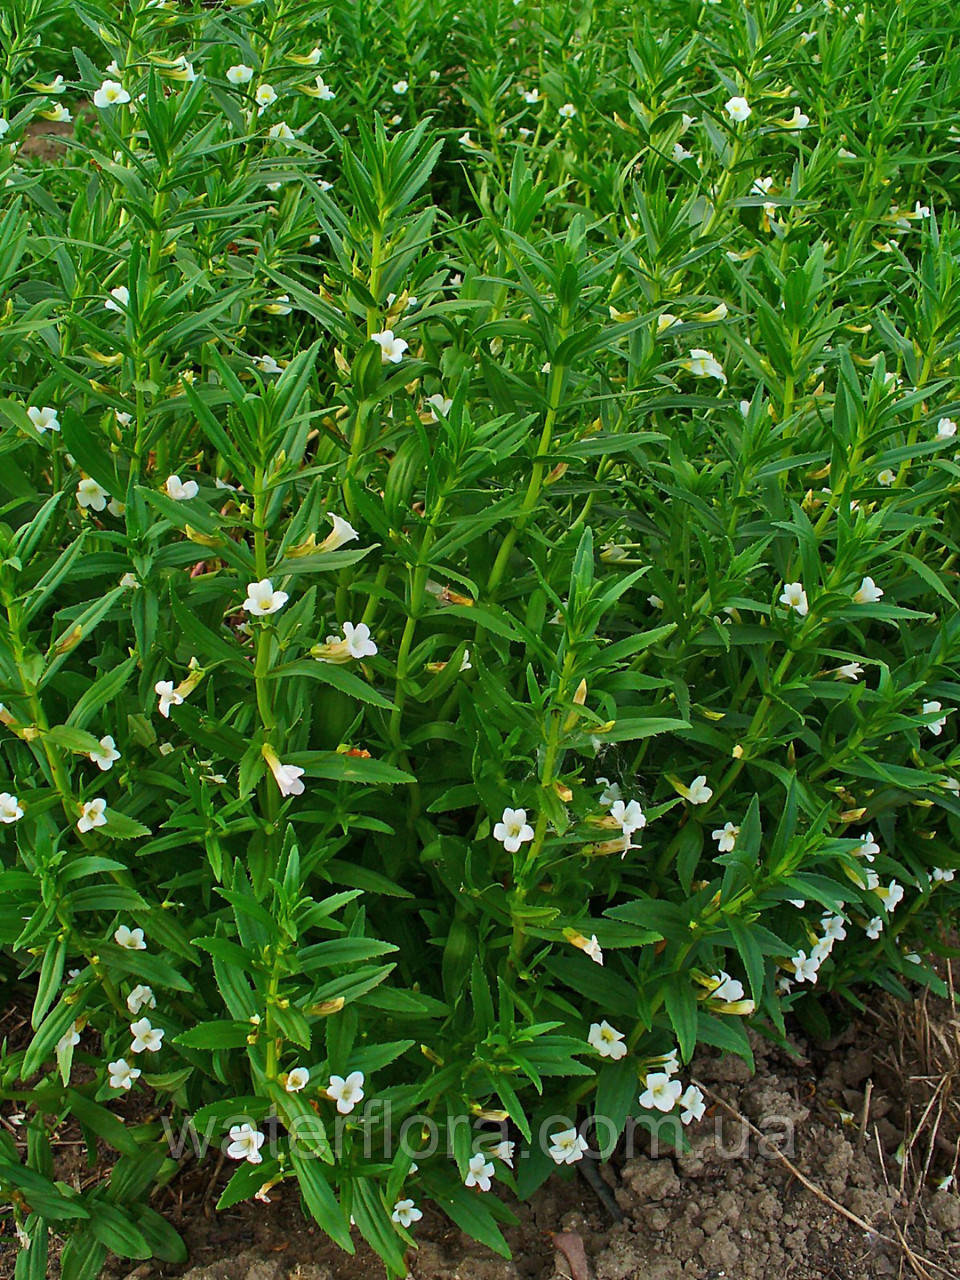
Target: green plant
x: 440, y: 554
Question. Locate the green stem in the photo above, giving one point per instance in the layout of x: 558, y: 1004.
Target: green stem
x: 535, y: 485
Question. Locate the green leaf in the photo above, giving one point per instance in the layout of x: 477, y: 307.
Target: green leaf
x: 114, y: 1229
x: 101, y: 1121
x: 617, y: 1092
x: 340, y: 767
x: 41, y: 1194
x: 681, y: 1006
x: 335, y: 676
x: 320, y: 1201
x: 215, y: 1035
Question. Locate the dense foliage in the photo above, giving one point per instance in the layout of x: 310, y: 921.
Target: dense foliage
x: 478, y: 600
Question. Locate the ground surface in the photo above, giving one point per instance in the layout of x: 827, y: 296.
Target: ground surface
x: 711, y: 1214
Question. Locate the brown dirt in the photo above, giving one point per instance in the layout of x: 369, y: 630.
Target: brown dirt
x: 43, y: 139
x: 730, y: 1207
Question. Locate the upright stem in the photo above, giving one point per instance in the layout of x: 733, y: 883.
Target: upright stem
x: 535, y: 484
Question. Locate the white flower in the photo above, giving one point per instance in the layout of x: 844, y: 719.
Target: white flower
x: 44, y: 419
x: 942, y: 875
x: 504, y: 1151
x: 666, y: 320
x: 698, y: 792
x: 391, y: 348
x: 891, y: 897
x: 738, y: 109
x: 355, y: 643
x: 946, y: 429
x: 343, y: 532
x: 287, y: 777
x: 805, y: 967
x: 611, y: 792
x: 240, y: 74
x: 280, y: 307
x: 629, y: 817
x: 141, y: 997
x: 92, y: 495
x: 358, y: 640
x: 265, y: 96
x: 513, y: 830
x: 592, y: 949
x: 479, y: 1172
x: 798, y: 120
x: 131, y: 939
x: 849, y: 671
x: 405, y: 1212
x: 670, y: 1063
x: 93, y: 815
x: 566, y: 1147
x: 69, y: 1038
x: 182, y: 69
x: 822, y: 949
x: 935, y: 726
x: 104, y: 754
x: 703, y: 364
x: 833, y: 927
x: 168, y: 697
x: 245, y: 1143
x: 531, y: 96
x: 122, y: 1075
x: 346, y: 1093
x: 725, y: 988
x: 795, y: 597
x: 119, y: 298
x: 681, y: 153
x: 868, y: 848
x: 297, y: 1079
x: 872, y: 880
x: 400, y: 87
x: 146, y: 1038
x: 725, y: 836
x: 867, y: 593
x: 58, y: 113
x: 266, y: 364
x: 692, y: 1102
x: 465, y: 663
x: 281, y: 132
x: 921, y: 211
x: 875, y: 927
x: 439, y: 404
x: 181, y: 490
x: 324, y: 92
x: 607, y: 1041
x: 567, y: 111
x: 10, y: 809
x: 886, y: 477
x: 263, y: 600
x: 660, y: 1092
x: 110, y: 94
